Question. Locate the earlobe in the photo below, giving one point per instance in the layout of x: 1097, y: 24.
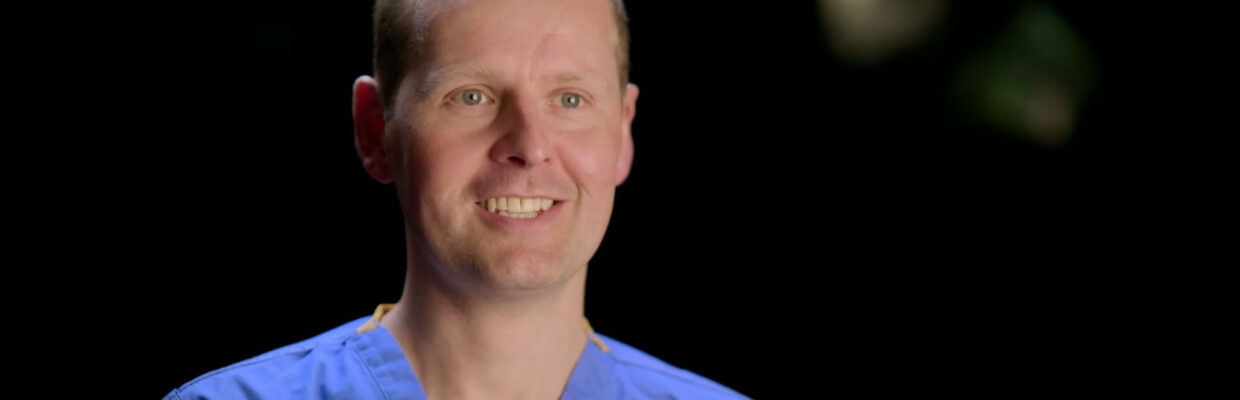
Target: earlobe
x: 368, y: 125
x: 625, y: 162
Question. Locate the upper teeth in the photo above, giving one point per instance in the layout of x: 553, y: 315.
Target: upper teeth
x: 518, y: 205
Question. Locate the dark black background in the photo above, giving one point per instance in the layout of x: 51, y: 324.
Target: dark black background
x: 792, y: 227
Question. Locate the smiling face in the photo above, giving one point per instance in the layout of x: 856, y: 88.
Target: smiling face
x: 507, y: 141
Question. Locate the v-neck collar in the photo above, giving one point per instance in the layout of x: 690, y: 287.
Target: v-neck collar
x: 592, y: 376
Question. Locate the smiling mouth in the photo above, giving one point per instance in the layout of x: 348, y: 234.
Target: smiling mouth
x: 515, y: 207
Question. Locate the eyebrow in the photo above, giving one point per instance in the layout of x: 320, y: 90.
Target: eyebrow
x: 438, y: 76
x: 566, y: 77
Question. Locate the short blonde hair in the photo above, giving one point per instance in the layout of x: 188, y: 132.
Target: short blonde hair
x: 400, y: 37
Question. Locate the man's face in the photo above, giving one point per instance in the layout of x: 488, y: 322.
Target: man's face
x: 515, y: 100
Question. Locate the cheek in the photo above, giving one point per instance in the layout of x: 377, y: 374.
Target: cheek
x: 439, y: 171
x: 591, y: 157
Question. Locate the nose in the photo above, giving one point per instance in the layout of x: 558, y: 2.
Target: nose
x: 525, y: 142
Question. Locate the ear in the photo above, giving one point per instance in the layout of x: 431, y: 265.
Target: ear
x: 625, y: 162
x: 368, y: 128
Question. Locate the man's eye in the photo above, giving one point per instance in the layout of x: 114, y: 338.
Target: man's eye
x: 472, y: 97
x: 570, y: 100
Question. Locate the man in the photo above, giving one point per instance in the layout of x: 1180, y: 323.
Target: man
x: 504, y: 125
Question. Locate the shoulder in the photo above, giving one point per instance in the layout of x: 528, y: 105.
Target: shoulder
x: 650, y: 377
x: 323, y: 366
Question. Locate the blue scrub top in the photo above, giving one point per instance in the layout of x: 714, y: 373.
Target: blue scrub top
x: 361, y: 360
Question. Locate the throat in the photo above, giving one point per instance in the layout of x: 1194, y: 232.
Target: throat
x: 482, y: 355
x: 533, y: 363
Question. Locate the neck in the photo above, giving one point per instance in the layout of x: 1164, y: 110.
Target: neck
x: 463, y: 344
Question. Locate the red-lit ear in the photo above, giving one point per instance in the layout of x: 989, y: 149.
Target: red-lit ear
x: 368, y: 128
x: 625, y: 161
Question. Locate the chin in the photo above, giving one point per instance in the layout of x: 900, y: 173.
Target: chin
x: 524, y: 273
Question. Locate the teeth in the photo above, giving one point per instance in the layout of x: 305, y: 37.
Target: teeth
x: 517, y: 207
x: 518, y: 215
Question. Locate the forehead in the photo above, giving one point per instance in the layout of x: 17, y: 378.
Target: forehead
x: 552, y: 39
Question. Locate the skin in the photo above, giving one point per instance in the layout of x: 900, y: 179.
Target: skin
x: 492, y: 307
